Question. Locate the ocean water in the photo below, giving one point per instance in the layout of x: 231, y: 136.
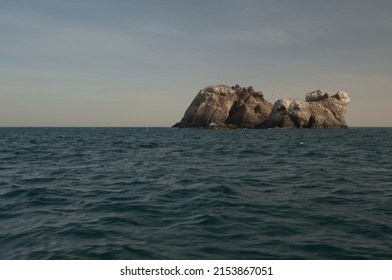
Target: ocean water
x: 161, y: 193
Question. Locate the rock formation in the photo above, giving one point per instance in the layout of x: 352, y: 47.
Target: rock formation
x: 226, y: 107
x: 318, y: 111
x: 236, y: 107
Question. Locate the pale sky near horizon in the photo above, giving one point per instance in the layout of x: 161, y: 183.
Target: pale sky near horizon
x: 141, y: 63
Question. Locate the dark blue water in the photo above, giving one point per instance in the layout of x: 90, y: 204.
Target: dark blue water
x: 118, y: 193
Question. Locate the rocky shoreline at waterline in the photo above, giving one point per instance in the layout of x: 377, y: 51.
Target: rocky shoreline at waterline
x: 224, y: 107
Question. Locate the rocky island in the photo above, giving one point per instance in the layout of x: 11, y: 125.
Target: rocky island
x: 222, y: 106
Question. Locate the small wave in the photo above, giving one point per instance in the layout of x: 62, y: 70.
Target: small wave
x: 151, y: 145
x: 195, y: 194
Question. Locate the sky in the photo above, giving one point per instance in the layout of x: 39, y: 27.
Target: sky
x: 141, y: 63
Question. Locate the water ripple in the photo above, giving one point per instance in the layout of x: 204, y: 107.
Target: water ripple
x: 112, y: 193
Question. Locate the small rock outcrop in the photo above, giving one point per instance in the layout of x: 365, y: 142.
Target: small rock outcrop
x: 221, y: 106
x: 320, y: 110
x: 226, y: 107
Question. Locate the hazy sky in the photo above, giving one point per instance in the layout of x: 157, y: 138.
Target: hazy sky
x: 140, y: 63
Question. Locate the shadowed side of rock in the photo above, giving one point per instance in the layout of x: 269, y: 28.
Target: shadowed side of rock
x: 250, y: 110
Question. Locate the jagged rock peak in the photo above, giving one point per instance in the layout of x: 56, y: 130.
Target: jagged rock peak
x: 319, y: 95
x: 316, y: 96
x: 342, y: 97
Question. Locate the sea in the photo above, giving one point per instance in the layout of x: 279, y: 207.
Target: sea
x: 163, y: 193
